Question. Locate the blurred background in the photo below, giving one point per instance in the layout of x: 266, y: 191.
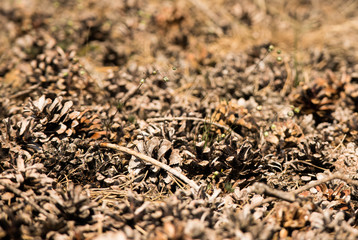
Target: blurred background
x: 184, y: 33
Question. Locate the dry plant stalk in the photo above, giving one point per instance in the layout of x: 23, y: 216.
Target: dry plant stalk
x: 150, y: 160
x: 261, y: 188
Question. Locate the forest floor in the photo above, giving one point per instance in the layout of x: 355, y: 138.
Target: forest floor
x: 188, y: 119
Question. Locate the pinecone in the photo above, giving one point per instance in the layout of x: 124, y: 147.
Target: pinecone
x: 346, y: 159
x: 61, y: 73
x: 236, y: 117
x: 27, y: 177
x: 73, y: 205
x: 318, y: 97
x: 231, y: 167
x: 49, y: 118
x: 333, y: 196
x: 291, y: 216
x: 351, y: 95
x: 244, y: 225
x: 23, y: 190
x: 351, y: 127
x: 160, y: 149
x: 312, y: 151
x: 285, y: 134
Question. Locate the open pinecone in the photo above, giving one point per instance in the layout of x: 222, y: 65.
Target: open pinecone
x: 236, y: 117
x: 49, y: 118
x: 59, y: 72
x: 161, y: 149
x: 285, y: 134
x: 23, y: 190
x: 319, y: 97
x: 73, y: 205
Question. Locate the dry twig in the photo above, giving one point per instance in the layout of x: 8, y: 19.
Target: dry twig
x: 261, y: 188
x: 130, y: 94
x: 26, y: 91
x: 331, y: 177
x: 150, y: 160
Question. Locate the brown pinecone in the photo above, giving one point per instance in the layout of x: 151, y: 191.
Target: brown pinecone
x: 74, y: 205
x: 285, y: 134
x: 49, y: 118
x: 236, y: 117
x: 58, y: 71
x: 318, y: 97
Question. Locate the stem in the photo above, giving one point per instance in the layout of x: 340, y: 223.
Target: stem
x: 152, y: 161
x: 261, y: 188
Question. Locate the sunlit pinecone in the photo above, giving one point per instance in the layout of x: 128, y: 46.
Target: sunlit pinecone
x: 236, y: 117
x: 49, y: 118
x: 334, y: 195
x: 285, y: 134
x: 346, y: 159
x: 161, y: 150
